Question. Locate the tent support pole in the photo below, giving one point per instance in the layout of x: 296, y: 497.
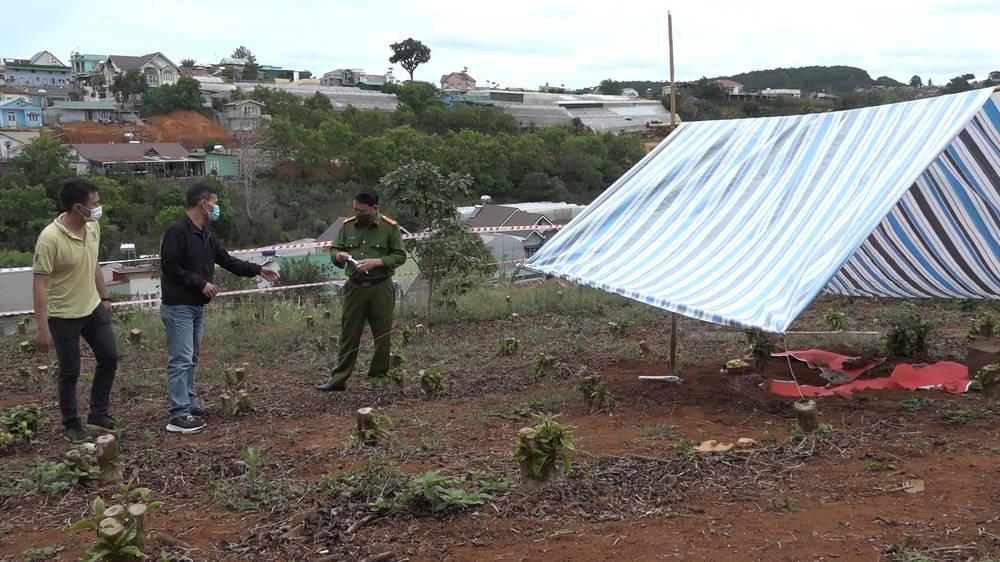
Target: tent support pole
x: 673, y: 342
x: 673, y: 100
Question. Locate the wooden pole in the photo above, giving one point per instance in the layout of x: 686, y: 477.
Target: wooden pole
x: 673, y: 93
x: 673, y: 124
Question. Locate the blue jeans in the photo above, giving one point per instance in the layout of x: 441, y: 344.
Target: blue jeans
x: 184, y: 324
x: 96, y: 330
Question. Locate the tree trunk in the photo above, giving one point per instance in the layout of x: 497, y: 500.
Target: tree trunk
x: 137, y: 512
x: 806, y: 416
x: 108, y: 459
x: 366, y: 426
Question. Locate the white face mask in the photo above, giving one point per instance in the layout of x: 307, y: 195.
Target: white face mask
x: 95, y: 214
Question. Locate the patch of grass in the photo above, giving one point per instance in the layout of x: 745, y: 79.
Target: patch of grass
x: 48, y: 478
x: 42, y: 552
x: 968, y: 416
x: 684, y: 446
x: 881, y: 465
x: 658, y: 431
x: 914, y: 403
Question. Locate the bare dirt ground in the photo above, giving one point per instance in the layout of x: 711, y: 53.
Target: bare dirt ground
x: 188, y: 128
x: 636, y: 490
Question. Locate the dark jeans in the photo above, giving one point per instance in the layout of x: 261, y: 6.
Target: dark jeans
x: 96, y: 331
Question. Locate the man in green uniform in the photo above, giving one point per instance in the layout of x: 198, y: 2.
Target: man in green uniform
x: 370, y: 248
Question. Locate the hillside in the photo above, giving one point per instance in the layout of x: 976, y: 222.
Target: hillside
x: 830, y: 79
x: 189, y: 128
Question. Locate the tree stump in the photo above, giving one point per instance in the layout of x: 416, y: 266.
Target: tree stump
x: 110, y: 528
x: 647, y: 354
x: 991, y: 386
x: 27, y: 347
x: 135, y: 335
x: 22, y: 327
x: 366, y: 426
x: 613, y: 327
x: 76, y: 459
x: 559, y: 295
x: 43, y: 369
x: 137, y: 513
x: 326, y: 314
x: 529, y: 480
x: 806, y: 416
x: 227, y: 404
x: 108, y: 459
x: 419, y: 328
x: 310, y: 322
x: 115, y: 511
x: 241, y: 374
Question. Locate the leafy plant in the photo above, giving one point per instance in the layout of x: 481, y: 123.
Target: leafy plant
x: 684, y: 446
x: 908, y: 332
x: 47, y: 477
x: 541, y: 364
x: 251, y: 491
x: 431, y: 380
x: 915, y: 403
x: 406, y: 334
x: 245, y: 404
x: 379, y: 429
x: 968, y: 416
x: 542, y: 448
x: 509, y: 346
x: 118, y: 533
x: 761, y: 346
x: 834, y: 320
x: 982, y: 327
x: 595, y: 396
x: 18, y: 425
x: 439, y: 493
x: 395, y: 376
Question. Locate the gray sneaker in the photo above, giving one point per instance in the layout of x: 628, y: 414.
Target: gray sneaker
x: 186, y: 424
x: 76, y: 434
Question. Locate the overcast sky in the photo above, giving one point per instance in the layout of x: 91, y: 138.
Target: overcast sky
x: 518, y: 43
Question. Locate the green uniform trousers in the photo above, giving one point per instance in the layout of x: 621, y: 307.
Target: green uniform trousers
x: 375, y: 305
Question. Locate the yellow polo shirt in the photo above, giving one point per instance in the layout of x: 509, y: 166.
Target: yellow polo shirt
x: 71, y: 263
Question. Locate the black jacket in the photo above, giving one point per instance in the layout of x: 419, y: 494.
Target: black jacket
x: 188, y: 255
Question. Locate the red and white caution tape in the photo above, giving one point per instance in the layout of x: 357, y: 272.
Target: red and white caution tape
x: 326, y: 244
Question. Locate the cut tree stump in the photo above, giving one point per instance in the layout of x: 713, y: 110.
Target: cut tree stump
x: 76, y: 459
x: 26, y: 347
x: 981, y: 354
x: 111, y: 528
x: 227, y: 404
x: 647, y: 354
x: 806, y: 416
x: 137, y: 513
x: 366, y: 425
x: 135, y: 335
x: 22, y: 327
x: 108, y: 459
x: 241, y: 374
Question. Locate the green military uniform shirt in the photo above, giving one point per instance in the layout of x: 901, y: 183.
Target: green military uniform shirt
x: 380, y: 239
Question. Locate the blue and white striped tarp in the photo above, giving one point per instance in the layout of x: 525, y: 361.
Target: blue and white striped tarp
x: 743, y: 222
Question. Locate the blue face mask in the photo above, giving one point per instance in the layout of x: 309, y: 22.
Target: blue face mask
x: 214, y: 215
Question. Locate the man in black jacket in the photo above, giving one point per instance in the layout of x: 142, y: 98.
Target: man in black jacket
x: 188, y: 255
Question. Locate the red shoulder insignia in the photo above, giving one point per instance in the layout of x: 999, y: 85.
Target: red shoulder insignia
x: 349, y: 219
x: 390, y: 221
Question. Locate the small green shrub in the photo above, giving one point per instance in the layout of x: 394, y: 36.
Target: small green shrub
x: 509, y: 346
x: 908, y: 333
x: 542, y: 363
x: 982, y: 327
x: 48, y: 478
x: 834, y: 320
x: 431, y: 380
x: 542, y: 450
x: 18, y: 425
x: 915, y: 403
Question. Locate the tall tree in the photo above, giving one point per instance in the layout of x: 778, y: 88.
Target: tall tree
x: 423, y: 196
x: 409, y: 54
x: 242, y: 52
x: 251, y: 69
x: 188, y: 63
x: 45, y: 162
x: 916, y: 82
x: 610, y: 87
x: 127, y: 84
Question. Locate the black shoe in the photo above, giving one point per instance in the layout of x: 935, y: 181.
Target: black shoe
x: 331, y: 387
x: 202, y: 412
x: 76, y: 434
x: 101, y: 424
x: 186, y: 424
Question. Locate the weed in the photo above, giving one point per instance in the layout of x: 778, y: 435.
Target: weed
x: 42, y: 552
x: 827, y: 431
x: 430, y: 380
x: 542, y: 363
x: 684, y: 446
x: 761, y: 346
x: 658, y: 431
x: 395, y: 376
x: 915, y: 403
x: 595, y: 397
x: 982, y: 327
x: 48, y: 478
x: 540, y: 448
x: 784, y: 503
x: 406, y: 334
x: 509, y: 346
x: 245, y: 404
x: 430, y: 443
x: 5, y: 528
x: 881, y: 464
x: 515, y: 413
x: 968, y: 416
x: 834, y: 320
x: 251, y: 491
x: 908, y: 333
x: 439, y: 493
x: 18, y: 425
x: 379, y: 429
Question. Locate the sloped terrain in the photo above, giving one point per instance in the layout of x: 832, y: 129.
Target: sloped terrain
x: 637, y: 489
x: 188, y: 128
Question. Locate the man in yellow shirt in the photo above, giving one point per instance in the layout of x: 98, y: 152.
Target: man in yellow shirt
x: 71, y: 301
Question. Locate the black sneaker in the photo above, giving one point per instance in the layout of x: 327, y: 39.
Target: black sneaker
x: 202, y: 412
x: 102, y: 424
x: 76, y: 434
x: 186, y: 424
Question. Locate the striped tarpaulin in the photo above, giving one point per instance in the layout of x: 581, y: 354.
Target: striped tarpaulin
x: 743, y: 222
